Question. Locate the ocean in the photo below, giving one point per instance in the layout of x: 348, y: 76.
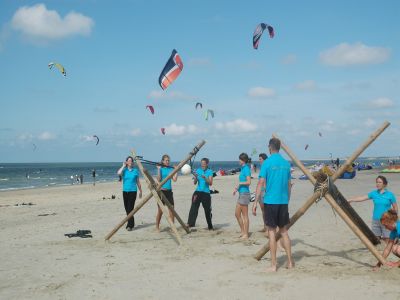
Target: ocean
x: 15, y: 176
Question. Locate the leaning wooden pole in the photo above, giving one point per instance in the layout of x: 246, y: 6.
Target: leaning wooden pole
x: 264, y: 250
x: 148, y: 197
x: 157, y: 196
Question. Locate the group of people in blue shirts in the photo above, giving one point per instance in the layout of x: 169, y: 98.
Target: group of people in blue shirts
x: 272, y: 195
x: 203, y: 178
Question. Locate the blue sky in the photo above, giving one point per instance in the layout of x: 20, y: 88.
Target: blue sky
x: 332, y: 67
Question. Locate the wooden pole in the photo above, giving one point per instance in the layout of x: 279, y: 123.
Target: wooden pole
x: 264, y: 250
x: 158, y: 199
x: 154, y: 183
x: 332, y: 201
x: 148, y: 197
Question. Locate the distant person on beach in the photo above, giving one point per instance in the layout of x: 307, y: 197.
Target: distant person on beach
x: 261, y: 158
x: 275, y: 175
x: 162, y: 172
x: 130, y: 185
x: 81, y: 178
x: 390, y: 220
x: 203, y: 177
x: 383, y: 200
x: 72, y: 179
x: 242, y: 205
x: 94, y: 176
x: 337, y: 163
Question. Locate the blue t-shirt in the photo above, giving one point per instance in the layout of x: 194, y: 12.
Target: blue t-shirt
x: 202, y: 185
x: 129, y: 180
x: 382, y: 202
x: 276, y: 171
x: 164, y: 172
x: 395, y: 234
x: 244, y: 173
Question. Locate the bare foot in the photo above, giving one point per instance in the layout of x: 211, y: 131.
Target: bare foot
x: 290, y: 265
x: 271, y: 269
x: 244, y: 237
x: 158, y: 229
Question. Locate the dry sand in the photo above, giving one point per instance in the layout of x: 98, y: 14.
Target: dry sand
x: 39, y: 262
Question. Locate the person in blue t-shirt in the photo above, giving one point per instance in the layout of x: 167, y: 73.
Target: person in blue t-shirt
x: 275, y: 176
x: 261, y: 158
x: 130, y: 185
x: 203, y: 177
x: 383, y: 200
x: 163, y: 171
x: 390, y: 220
x: 242, y: 205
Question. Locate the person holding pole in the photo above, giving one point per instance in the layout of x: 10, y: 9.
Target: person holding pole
x: 163, y: 171
x: 383, y: 200
x: 203, y: 177
x: 242, y: 205
x: 275, y: 176
x: 130, y: 185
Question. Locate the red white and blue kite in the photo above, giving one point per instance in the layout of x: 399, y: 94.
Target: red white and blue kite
x: 171, y: 71
x: 259, y: 31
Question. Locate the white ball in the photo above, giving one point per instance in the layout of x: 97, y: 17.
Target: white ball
x: 186, y: 169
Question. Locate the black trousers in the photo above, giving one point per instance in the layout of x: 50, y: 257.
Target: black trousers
x: 205, y: 200
x: 129, y: 203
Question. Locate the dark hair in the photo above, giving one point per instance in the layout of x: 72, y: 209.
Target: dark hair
x: 206, y: 160
x: 164, y: 157
x: 129, y: 157
x: 244, y: 157
x: 383, y: 178
x: 263, y: 156
x: 275, y: 144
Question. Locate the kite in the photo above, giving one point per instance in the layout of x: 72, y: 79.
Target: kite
x: 254, y: 152
x: 306, y: 147
x: 320, y: 134
x: 259, y: 31
x: 151, y: 108
x: 59, y: 67
x: 171, y: 71
x: 198, y: 104
x: 34, y: 146
x: 97, y: 139
x: 163, y: 131
x: 209, y: 112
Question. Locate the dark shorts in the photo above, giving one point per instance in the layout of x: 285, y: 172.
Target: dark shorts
x: 169, y: 195
x: 276, y: 215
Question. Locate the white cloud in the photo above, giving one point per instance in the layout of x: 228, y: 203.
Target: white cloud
x: 37, y: 22
x: 381, y: 102
x: 46, y: 136
x: 25, y: 137
x: 175, y: 129
x: 87, y: 138
x: 171, y: 95
x: 261, y: 92
x: 354, y: 54
x: 199, y: 62
x: 135, y: 132
x: 289, y: 59
x: 307, y: 85
x: 236, y: 126
x: 370, y: 122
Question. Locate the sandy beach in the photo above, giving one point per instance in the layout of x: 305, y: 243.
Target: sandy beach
x: 39, y: 262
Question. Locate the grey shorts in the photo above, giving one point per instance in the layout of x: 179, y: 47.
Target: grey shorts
x: 244, y: 198
x: 379, y: 230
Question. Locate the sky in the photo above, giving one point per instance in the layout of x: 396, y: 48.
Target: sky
x: 332, y: 68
